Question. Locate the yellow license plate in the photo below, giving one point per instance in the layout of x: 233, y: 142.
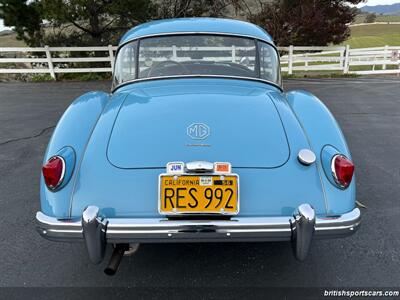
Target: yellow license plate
x: 199, y: 194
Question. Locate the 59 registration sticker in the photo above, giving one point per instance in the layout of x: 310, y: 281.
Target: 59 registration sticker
x: 199, y: 194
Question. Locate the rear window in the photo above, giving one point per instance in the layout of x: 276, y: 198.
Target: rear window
x: 185, y: 55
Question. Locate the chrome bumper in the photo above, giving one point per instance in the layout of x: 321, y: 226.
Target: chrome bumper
x: 301, y: 228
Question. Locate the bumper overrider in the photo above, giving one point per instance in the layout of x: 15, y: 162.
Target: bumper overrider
x: 96, y: 231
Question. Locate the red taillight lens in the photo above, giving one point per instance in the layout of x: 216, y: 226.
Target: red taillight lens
x: 343, y: 170
x: 53, y: 172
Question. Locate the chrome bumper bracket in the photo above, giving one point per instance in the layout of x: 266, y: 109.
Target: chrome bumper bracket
x: 303, y: 227
x: 94, y: 233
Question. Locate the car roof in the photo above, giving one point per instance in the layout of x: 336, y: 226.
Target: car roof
x: 201, y: 25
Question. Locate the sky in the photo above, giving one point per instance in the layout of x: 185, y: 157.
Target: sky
x: 369, y: 2
x: 378, y: 2
x: 2, y: 25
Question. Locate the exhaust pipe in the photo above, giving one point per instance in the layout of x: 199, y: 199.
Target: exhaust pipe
x: 115, y: 259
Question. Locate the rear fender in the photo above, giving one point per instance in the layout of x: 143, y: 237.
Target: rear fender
x: 73, y: 131
x: 321, y: 130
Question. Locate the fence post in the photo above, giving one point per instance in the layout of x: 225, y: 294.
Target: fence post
x: 111, y: 55
x: 385, y: 56
x: 341, y: 53
x: 306, y: 62
x: 233, y: 53
x: 174, y: 53
x: 290, y: 62
x: 50, y: 62
x: 346, y: 60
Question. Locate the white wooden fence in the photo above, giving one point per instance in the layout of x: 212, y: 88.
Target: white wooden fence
x: 362, y: 61
x: 54, y: 60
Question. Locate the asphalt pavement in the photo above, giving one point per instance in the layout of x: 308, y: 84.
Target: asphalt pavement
x: 368, y: 110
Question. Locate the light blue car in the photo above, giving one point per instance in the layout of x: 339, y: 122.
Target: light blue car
x: 197, y: 142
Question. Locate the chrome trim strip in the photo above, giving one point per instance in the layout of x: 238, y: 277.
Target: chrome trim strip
x: 79, y: 162
x: 195, y: 33
x: 155, y: 230
x: 318, y: 166
x: 334, y: 175
x: 196, y: 76
x: 64, y: 166
x: 60, y: 181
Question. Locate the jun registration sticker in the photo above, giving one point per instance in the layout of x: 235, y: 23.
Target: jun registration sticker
x: 175, y: 168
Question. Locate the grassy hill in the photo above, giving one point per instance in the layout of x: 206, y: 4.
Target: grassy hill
x: 379, y: 18
x: 382, y: 18
x: 374, y: 35
x: 8, y: 39
x: 391, y: 9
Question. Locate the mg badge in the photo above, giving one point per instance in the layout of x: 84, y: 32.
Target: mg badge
x: 198, y: 131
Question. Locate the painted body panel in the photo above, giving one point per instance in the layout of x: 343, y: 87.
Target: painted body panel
x: 133, y: 192
x: 322, y: 129
x: 151, y: 127
x: 203, y: 25
x: 73, y: 130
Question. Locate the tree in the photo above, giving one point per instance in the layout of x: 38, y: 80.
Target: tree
x: 97, y: 22
x: 74, y: 22
x: 306, y: 22
x: 198, y: 8
x: 370, y: 18
x: 25, y: 17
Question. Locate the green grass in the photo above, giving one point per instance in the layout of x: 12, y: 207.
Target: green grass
x: 359, y: 19
x: 382, y: 18
x: 320, y: 74
x: 377, y: 67
x: 84, y: 76
x: 375, y: 29
x: 375, y: 35
x: 41, y: 78
x: 379, y: 18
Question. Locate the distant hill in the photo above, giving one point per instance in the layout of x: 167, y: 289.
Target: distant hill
x: 393, y: 9
x: 8, y: 38
x: 6, y: 32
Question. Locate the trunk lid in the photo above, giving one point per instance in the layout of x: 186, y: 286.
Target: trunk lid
x: 187, y: 122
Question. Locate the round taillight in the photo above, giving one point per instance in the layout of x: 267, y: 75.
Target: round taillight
x: 342, y: 170
x: 53, y: 172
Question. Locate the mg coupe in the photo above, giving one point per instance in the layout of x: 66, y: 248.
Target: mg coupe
x: 196, y: 142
